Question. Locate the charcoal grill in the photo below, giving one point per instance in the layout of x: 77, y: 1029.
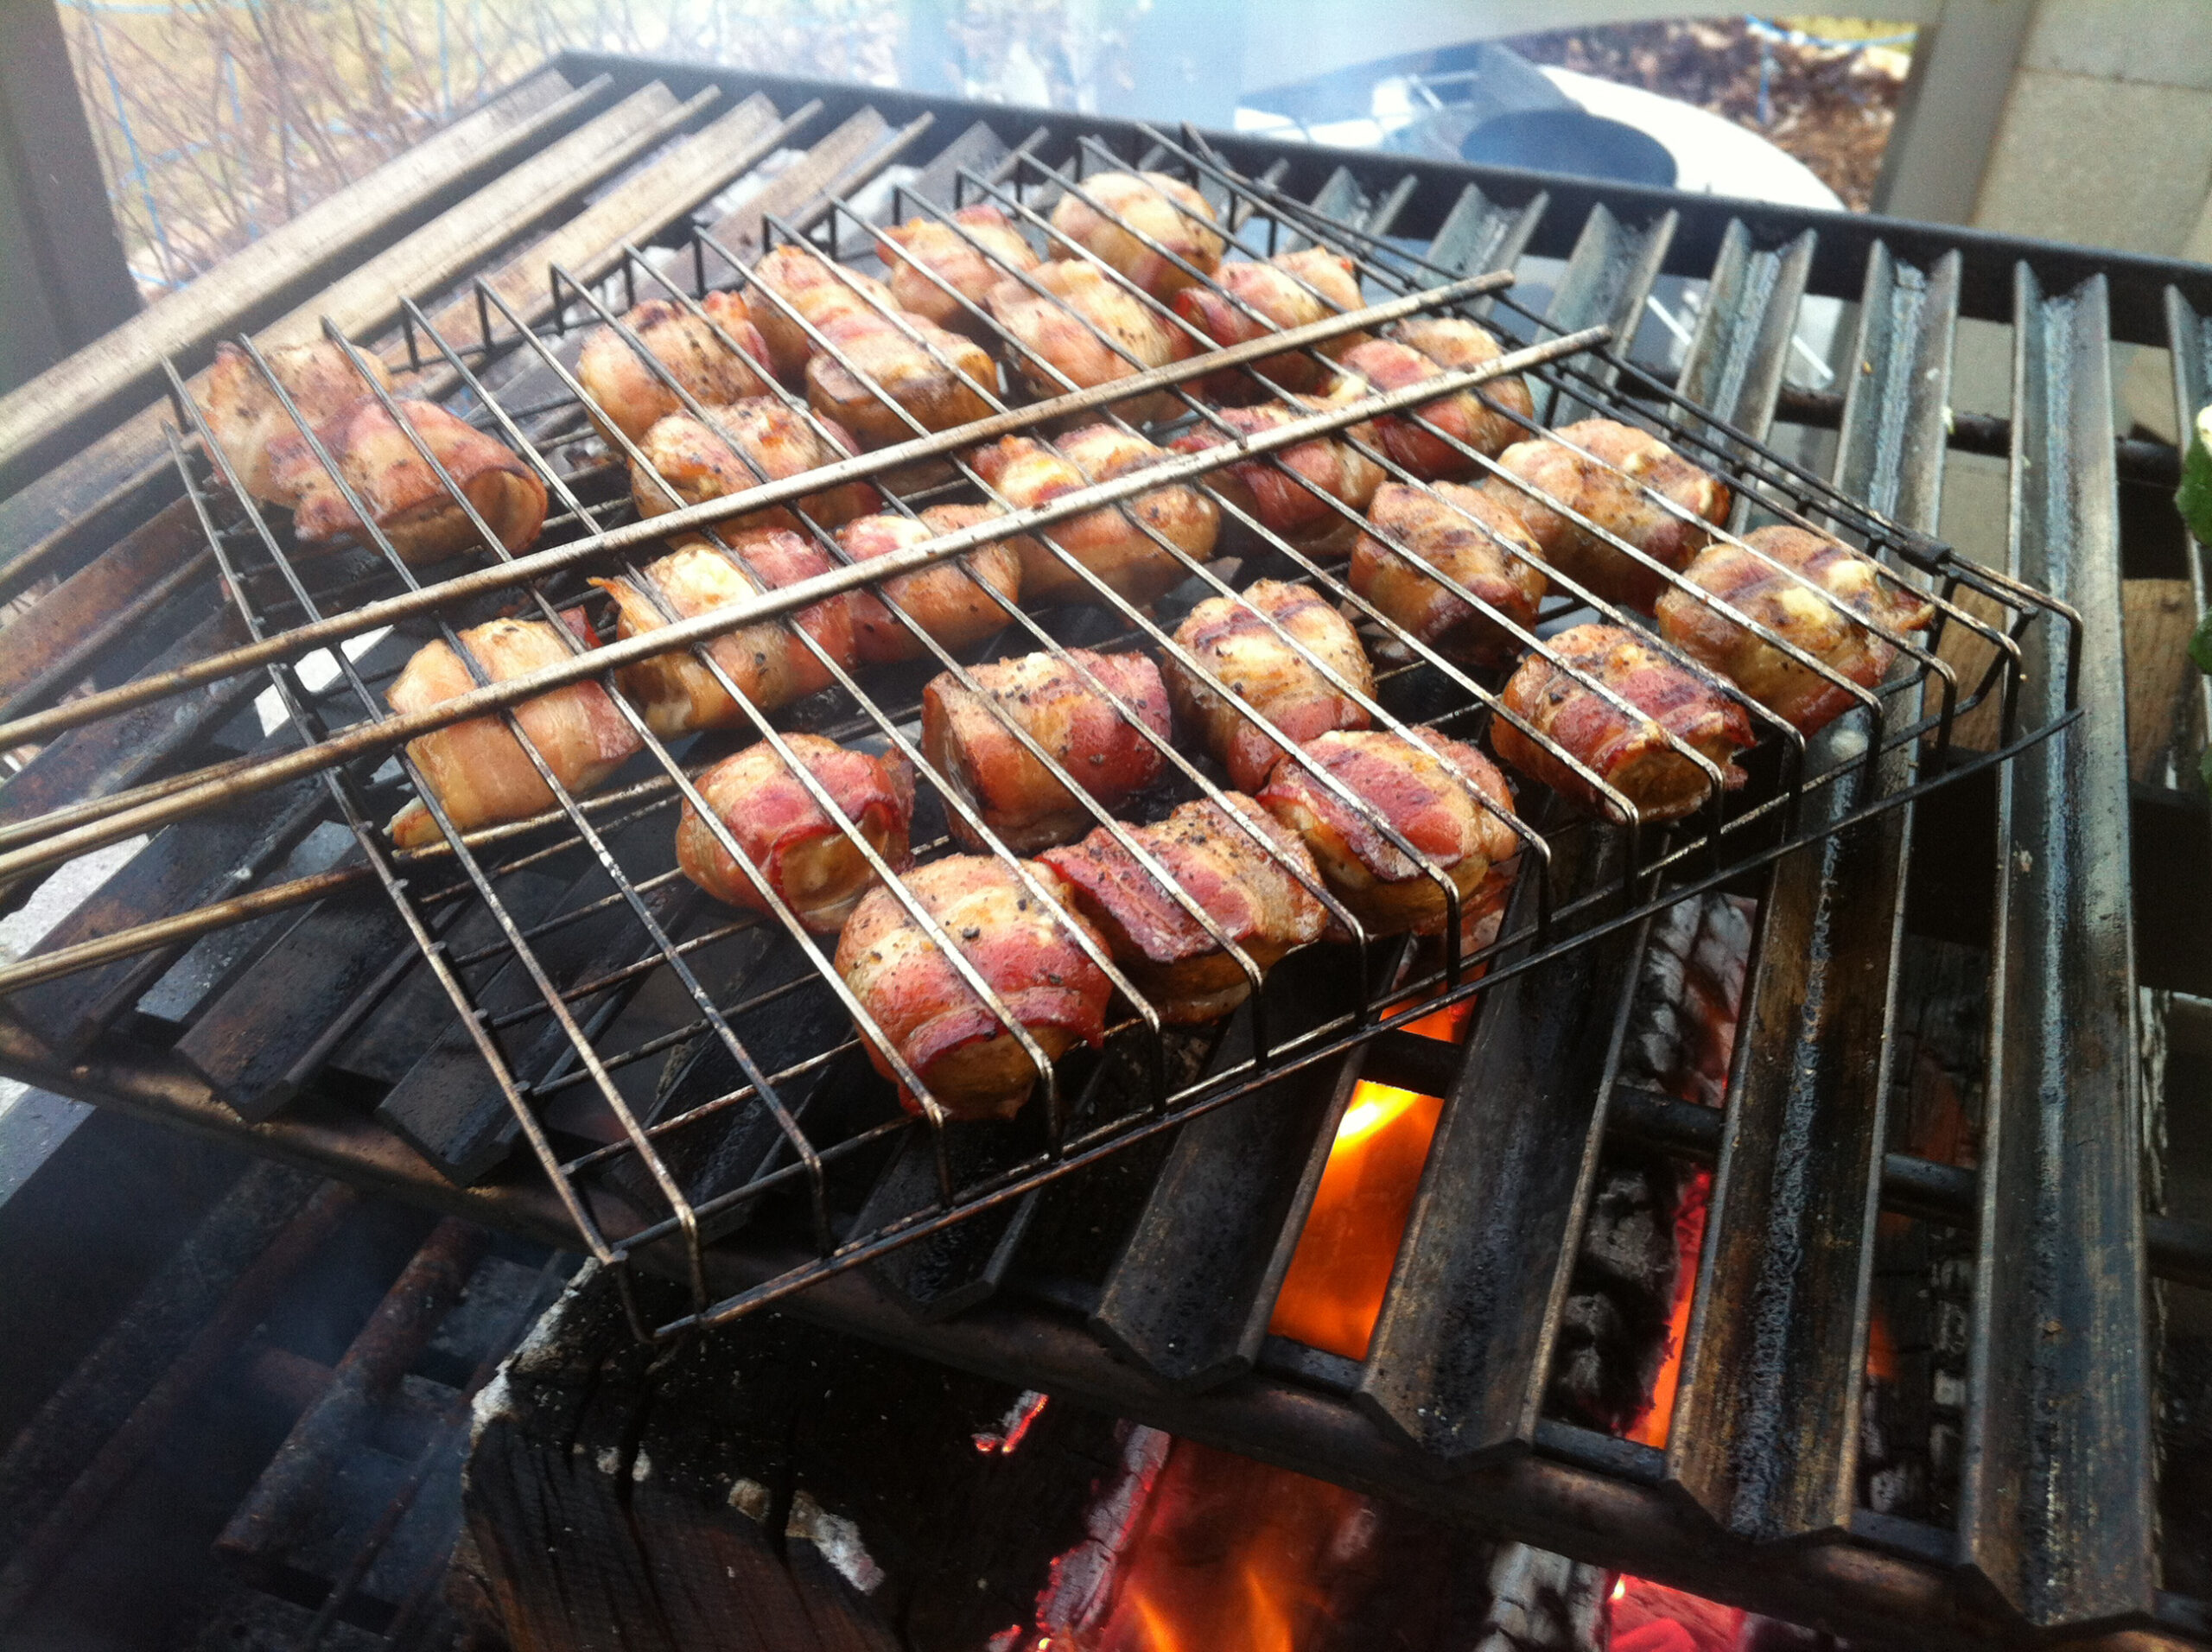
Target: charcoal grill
x: 268, y: 969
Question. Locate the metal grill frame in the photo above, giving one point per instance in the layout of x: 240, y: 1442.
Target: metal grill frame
x: 1596, y: 1498
x: 1758, y: 479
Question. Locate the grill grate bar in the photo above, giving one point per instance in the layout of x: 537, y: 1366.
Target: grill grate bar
x: 1774, y: 1376
x: 2055, y: 1506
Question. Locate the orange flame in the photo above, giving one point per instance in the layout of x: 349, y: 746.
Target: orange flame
x: 1235, y: 1556
x: 1334, y: 1286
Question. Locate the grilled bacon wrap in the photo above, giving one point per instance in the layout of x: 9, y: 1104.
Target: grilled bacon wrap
x: 1430, y: 789
x: 1112, y: 543
x: 478, y: 769
x: 946, y: 1032
x: 816, y: 290
x: 1465, y: 534
x: 1823, y: 626
x: 1602, y: 482
x: 1630, y: 754
x: 1164, y: 209
x: 918, y: 370
x: 1257, y: 901
x: 1017, y: 796
x: 1290, y: 290
x: 805, y: 857
x: 404, y: 498
x: 1085, y: 329
x: 1460, y: 346
x: 749, y: 443
x: 950, y: 601
x: 243, y: 415
x: 632, y: 397
x: 1269, y: 488
x: 971, y: 255
x: 1382, y: 365
x: 769, y: 663
x: 1231, y: 639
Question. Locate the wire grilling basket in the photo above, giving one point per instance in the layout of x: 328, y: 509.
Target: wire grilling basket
x: 703, y: 1067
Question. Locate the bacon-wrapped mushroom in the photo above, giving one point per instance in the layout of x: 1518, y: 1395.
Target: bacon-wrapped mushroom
x: 1600, y: 468
x: 1382, y: 364
x: 1459, y: 346
x: 808, y: 859
x: 769, y: 663
x: 1277, y: 490
x: 1053, y: 701
x: 478, y: 769
x: 944, y: 1031
x: 1232, y: 640
x: 1790, y: 601
x: 1245, y: 873
x: 405, y: 500
x: 1442, y: 796
x: 244, y: 416
x: 755, y: 441
x: 632, y: 397
x: 1085, y: 329
x: 971, y: 255
x: 1165, y: 210
x: 1632, y: 754
x: 1465, y: 535
x: 951, y: 601
x: 877, y: 373
x: 1290, y: 290
x: 1113, y: 542
x: 814, y: 292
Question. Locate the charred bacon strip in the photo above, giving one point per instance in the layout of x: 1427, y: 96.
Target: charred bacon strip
x: 1632, y: 754
x: 1823, y: 626
x: 769, y: 663
x: 405, y: 500
x: 1430, y: 789
x: 1466, y: 536
x: 633, y: 396
x: 1605, y: 482
x: 1278, y: 490
x: 1164, y: 209
x: 1112, y: 543
x: 951, y: 601
x: 478, y: 770
x: 1017, y: 796
x: 1240, y: 652
x: 748, y: 442
x: 807, y: 858
x: 1257, y: 901
x: 940, y: 1027
x: 971, y: 255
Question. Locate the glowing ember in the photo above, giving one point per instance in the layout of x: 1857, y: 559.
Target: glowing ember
x: 1647, y: 1616
x: 1689, y: 1240
x: 1027, y: 1407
